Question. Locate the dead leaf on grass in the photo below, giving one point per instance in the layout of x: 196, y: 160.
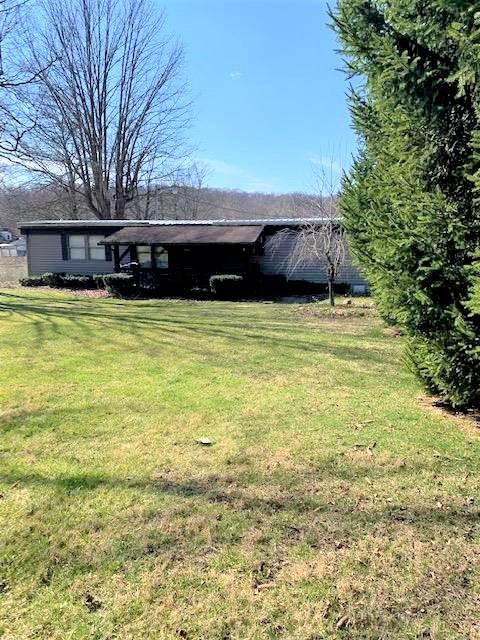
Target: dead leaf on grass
x: 343, y: 622
x: 363, y: 445
x: 265, y: 585
x: 91, y: 602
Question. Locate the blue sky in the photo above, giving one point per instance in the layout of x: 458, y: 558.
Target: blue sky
x: 268, y: 98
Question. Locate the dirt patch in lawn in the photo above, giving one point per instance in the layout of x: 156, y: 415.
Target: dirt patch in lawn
x: 468, y: 421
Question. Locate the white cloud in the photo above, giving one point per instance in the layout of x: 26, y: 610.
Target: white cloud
x: 235, y: 74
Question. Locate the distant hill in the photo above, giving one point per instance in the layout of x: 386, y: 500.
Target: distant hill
x: 18, y: 204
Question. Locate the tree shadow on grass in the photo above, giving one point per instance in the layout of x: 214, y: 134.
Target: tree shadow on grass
x: 306, y: 496
x: 320, y: 511
x: 265, y: 528
x: 179, y: 325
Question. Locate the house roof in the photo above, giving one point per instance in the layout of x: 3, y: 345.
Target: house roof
x: 186, y: 234
x: 63, y: 224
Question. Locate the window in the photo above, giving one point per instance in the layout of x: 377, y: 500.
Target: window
x: 77, y: 248
x: 85, y: 247
x: 161, y: 258
x: 144, y: 255
x: 95, y: 251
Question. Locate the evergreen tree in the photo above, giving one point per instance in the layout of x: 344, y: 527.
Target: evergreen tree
x: 412, y: 200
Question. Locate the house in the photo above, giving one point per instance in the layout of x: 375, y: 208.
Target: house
x: 6, y: 235
x: 181, y: 250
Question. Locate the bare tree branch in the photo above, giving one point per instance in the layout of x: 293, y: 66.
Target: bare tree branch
x: 12, y: 76
x: 110, y: 110
x: 321, y: 245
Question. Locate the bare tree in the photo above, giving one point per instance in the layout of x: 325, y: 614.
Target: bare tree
x: 320, y: 241
x: 180, y: 198
x: 189, y: 202
x: 110, y: 110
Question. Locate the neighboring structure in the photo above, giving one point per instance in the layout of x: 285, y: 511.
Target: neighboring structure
x: 6, y: 235
x: 11, y: 246
x: 14, y: 249
x: 180, y: 250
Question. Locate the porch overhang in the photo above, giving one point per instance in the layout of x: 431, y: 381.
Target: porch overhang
x: 196, y: 234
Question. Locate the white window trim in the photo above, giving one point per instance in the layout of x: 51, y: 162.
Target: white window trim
x: 87, y: 256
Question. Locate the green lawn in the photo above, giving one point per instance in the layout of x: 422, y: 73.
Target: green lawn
x: 332, y: 503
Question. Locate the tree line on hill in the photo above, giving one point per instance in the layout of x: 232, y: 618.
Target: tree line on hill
x: 182, y: 202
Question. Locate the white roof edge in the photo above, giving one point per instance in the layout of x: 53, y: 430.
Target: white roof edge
x: 124, y: 223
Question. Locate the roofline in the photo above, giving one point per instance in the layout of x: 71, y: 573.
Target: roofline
x: 62, y: 224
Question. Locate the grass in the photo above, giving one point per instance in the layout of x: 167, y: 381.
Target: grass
x: 332, y: 503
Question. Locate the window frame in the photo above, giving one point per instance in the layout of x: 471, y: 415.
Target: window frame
x: 152, y: 262
x: 147, y: 249
x: 86, y: 247
x: 96, y: 247
x: 161, y: 249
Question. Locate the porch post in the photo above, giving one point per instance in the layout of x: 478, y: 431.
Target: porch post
x: 152, y: 257
x: 116, y: 258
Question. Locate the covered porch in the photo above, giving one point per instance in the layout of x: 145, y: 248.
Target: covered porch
x: 186, y: 255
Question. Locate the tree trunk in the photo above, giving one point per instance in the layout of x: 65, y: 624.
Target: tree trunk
x: 331, y: 293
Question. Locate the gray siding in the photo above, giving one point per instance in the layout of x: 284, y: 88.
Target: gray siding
x: 44, y: 253
x: 125, y: 259
x: 276, y: 263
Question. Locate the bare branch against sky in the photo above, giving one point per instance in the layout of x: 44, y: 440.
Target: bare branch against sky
x: 108, y: 112
x: 321, y: 245
x: 13, y: 75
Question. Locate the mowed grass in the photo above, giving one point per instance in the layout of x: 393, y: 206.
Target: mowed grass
x: 331, y: 504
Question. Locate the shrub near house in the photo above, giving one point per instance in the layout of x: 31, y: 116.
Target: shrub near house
x: 33, y: 281
x: 59, y: 281
x: 227, y: 286
x: 119, y: 285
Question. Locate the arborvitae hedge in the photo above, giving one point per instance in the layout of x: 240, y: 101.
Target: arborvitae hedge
x: 412, y: 200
